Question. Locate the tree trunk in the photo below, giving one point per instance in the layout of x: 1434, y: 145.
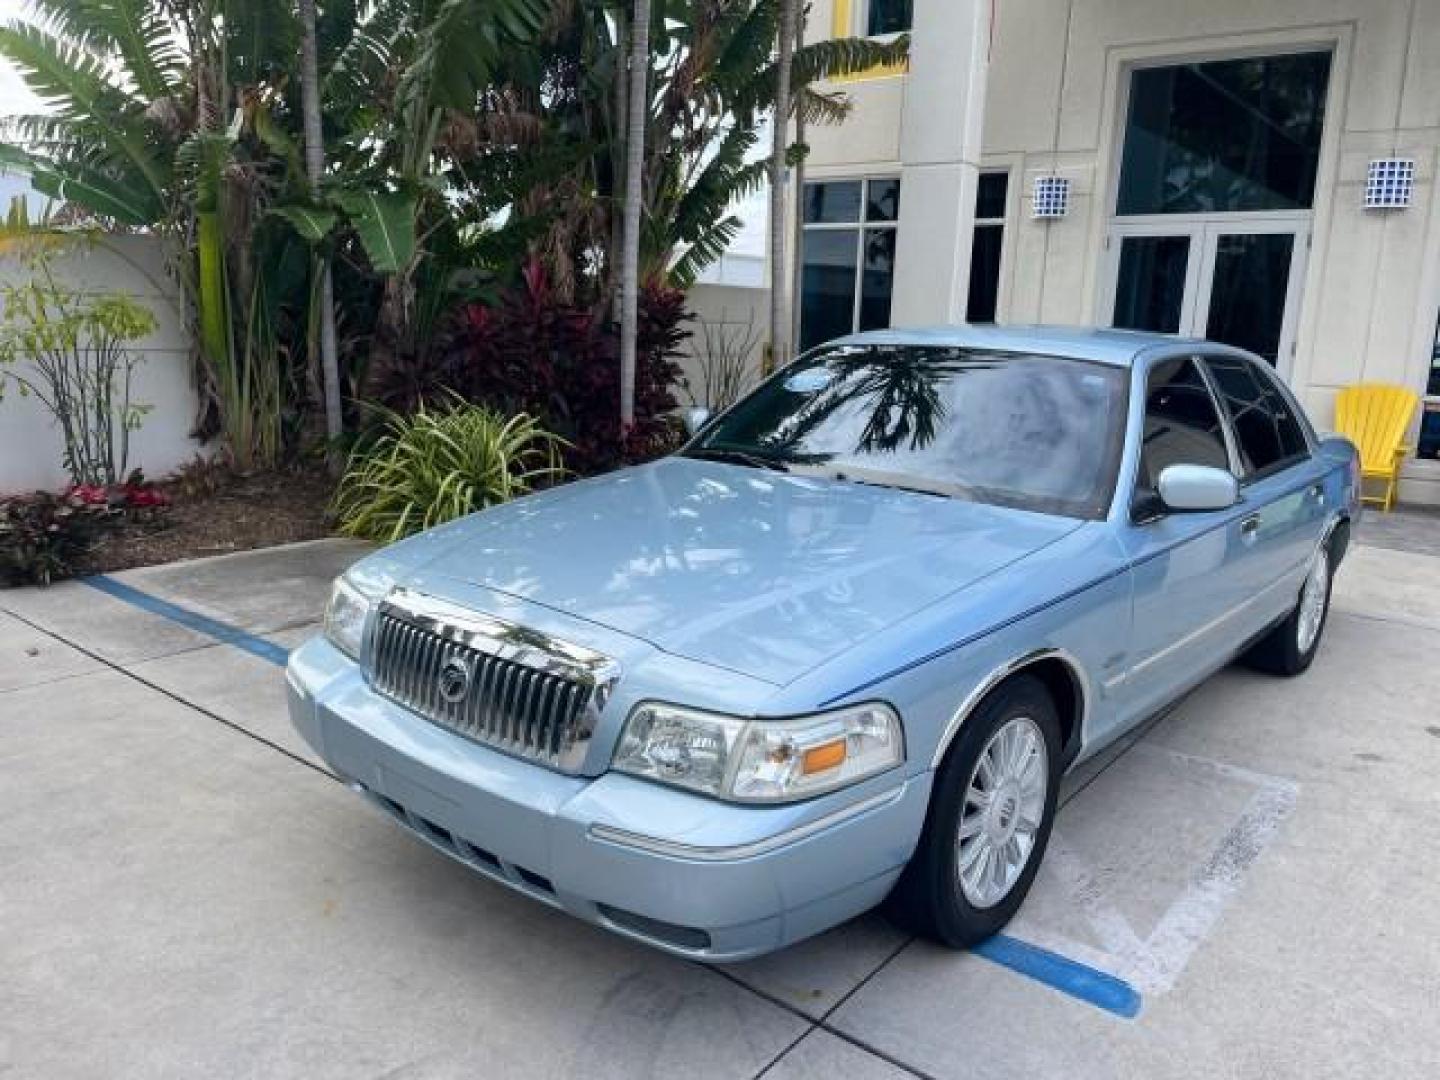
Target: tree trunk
x: 779, y: 291
x: 797, y: 231
x: 639, y: 112
x: 314, y: 171
x: 621, y: 90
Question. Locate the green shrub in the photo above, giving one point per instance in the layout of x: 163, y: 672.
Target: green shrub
x: 439, y: 464
x: 42, y: 535
x: 74, y: 352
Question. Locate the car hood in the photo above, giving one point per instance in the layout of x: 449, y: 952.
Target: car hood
x: 763, y: 573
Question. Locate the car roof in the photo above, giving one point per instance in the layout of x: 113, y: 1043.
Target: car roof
x: 1119, y: 347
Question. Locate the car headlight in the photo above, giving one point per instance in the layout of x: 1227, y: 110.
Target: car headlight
x: 345, y: 616
x: 759, y: 760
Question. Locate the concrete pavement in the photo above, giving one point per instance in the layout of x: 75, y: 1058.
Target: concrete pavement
x: 186, y: 892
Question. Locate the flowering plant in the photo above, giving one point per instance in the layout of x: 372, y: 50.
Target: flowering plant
x: 43, y: 535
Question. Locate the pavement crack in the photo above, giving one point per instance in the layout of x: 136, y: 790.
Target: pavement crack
x: 791, y: 1045
x: 48, y: 682
x: 822, y: 1023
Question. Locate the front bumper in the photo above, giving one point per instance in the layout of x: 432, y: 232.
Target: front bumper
x: 690, y: 875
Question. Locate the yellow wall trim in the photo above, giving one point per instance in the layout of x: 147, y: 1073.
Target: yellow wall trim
x: 842, y: 25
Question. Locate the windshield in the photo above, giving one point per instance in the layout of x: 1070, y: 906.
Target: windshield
x: 1035, y: 432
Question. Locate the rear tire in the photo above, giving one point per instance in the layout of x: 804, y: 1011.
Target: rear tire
x: 990, y: 817
x: 1290, y: 648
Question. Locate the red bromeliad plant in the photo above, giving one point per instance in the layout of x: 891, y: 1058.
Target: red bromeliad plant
x: 532, y: 353
x: 44, y: 537
x: 136, y: 493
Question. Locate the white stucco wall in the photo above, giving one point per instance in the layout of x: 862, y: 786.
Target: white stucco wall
x: 1056, y: 74
x: 30, y: 444
x: 738, y: 313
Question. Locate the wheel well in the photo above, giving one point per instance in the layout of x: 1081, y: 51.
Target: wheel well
x: 1062, y: 681
x: 1063, y: 685
x: 1339, y: 541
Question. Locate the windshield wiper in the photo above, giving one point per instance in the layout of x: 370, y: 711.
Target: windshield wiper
x: 738, y: 457
x: 914, y: 489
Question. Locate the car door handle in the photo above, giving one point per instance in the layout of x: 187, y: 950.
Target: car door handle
x: 1317, y: 493
x: 1250, y: 526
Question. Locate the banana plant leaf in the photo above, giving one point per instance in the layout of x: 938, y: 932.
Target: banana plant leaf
x: 129, y: 204
x: 313, y: 223
x: 385, y: 223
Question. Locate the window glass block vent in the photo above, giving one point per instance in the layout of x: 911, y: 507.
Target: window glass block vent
x: 1390, y: 183
x: 1050, y: 198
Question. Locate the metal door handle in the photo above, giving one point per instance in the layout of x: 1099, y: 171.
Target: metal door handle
x: 1317, y: 492
x: 1250, y: 526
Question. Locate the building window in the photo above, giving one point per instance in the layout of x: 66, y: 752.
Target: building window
x: 1228, y: 135
x: 1430, y: 420
x: 848, y: 257
x: 985, y: 251
x: 882, y: 17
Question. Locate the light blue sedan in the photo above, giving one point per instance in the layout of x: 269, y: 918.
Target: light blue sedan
x: 841, y: 648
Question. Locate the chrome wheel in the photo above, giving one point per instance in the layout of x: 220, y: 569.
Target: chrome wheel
x: 1312, y: 602
x: 1004, y: 807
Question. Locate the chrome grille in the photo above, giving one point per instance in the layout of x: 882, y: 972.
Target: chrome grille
x: 519, y: 691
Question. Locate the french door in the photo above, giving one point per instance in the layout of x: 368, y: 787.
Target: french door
x: 1234, y: 278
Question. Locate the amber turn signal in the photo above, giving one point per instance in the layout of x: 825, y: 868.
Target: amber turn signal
x: 826, y: 756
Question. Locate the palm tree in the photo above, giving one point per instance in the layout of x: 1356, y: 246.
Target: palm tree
x: 178, y: 117
x: 712, y: 79
x: 314, y: 171
x: 780, y: 118
x: 454, y: 134
x: 163, y: 117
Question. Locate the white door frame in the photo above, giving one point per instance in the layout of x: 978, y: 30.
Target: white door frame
x: 1204, y: 232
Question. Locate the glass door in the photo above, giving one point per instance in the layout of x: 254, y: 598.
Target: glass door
x: 1235, y: 280
x: 1155, y: 278
x: 1250, y: 287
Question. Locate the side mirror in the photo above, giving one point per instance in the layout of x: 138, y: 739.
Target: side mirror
x: 1197, y: 487
x: 695, y: 418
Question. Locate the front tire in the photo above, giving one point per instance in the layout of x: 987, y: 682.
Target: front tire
x: 1291, y: 647
x: 990, y: 818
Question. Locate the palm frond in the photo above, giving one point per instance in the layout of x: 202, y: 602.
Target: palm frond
x: 109, y: 194
x: 704, y: 250
x: 724, y: 178
x: 135, y: 31
x: 822, y: 60
x: 75, y: 82
x: 261, y: 39
x: 40, y: 133
x: 750, y: 40
x: 457, y: 51
x: 821, y: 106
x: 363, y: 61
x: 68, y: 76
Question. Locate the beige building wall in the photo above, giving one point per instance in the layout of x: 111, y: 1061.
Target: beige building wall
x: 1055, y: 87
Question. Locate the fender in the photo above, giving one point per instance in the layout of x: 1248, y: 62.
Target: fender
x: 1000, y: 674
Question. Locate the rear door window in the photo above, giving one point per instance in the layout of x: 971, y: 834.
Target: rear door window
x: 1269, y: 435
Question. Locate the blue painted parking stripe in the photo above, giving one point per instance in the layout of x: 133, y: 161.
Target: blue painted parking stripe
x: 193, y: 620
x: 1088, y: 984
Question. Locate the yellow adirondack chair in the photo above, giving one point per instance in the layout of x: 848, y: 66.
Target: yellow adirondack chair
x: 1375, y: 417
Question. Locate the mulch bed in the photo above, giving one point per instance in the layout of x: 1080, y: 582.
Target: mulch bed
x: 253, y: 511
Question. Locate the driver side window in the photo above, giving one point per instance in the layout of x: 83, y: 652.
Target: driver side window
x: 1182, y: 425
